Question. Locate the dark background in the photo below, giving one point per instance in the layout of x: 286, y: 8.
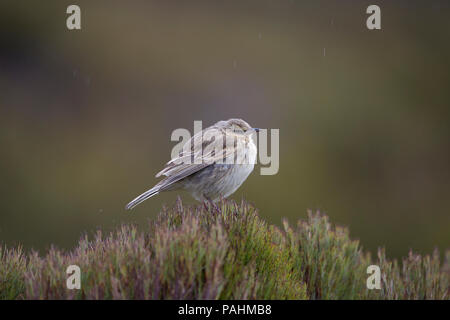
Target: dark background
x: 86, y: 116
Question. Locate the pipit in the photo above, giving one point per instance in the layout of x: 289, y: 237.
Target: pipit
x: 212, y: 165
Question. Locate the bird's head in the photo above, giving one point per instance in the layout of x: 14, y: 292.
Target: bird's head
x: 238, y: 126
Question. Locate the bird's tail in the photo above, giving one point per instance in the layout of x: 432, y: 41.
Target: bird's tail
x: 147, y: 194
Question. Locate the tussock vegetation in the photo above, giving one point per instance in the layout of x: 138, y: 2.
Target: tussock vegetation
x: 220, y: 252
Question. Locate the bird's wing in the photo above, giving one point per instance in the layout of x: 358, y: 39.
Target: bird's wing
x: 202, y: 150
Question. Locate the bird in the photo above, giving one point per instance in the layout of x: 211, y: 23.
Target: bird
x: 212, y: 165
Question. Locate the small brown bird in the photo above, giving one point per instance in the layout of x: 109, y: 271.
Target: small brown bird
x: 213, y: 164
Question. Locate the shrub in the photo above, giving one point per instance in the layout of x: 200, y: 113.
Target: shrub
x: 221, y: 251
x: 12, y: 269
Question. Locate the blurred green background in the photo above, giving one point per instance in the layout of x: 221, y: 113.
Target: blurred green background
x: 364, y: 116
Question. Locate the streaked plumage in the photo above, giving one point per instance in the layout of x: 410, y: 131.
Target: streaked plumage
x: 209, y: 167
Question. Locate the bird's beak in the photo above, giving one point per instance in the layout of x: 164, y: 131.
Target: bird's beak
x: 256, y: 129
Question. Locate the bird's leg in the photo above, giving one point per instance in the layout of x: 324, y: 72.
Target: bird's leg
x: 205, y: 204
x: 216, y: 207
x: 211, y: 203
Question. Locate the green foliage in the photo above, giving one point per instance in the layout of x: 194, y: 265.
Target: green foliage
x: 332, y: 265
x: 222, y: 251
x: 418, y: 277
x: 12, y: 268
